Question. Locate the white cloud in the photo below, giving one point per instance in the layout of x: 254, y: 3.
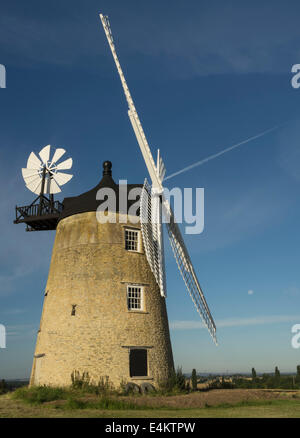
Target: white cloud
x: 235, y: 322
x: 15, y: 311
x: 250, y: 292
x: 21, y: 331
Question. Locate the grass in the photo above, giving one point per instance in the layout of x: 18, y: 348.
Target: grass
x: 256, y: 404
x: 74, y: 403
x: 255, y: 409
x: 103, y: 403
x: 39, y: 394
x: 73, y: 397
x: 276, y: 409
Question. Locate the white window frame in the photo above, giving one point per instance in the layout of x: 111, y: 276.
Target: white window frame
x: 138, y: 231
x: 141, y: 309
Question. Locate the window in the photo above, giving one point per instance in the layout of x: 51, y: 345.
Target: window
x: 135, y: 298
x: 138, y: 365
x: 132, y: 240
x: 73, y: 312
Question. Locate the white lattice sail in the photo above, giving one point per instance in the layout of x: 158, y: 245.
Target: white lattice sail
x: 189, y: 276
x: 152, y: 201
x: 151, y: 226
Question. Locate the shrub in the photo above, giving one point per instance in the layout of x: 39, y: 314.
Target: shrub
x: 83, y: 382
x: 220, y: 384
x: 174, y: 384
x: 180, y: 379
x: 39, y: 394
x: 80, y: 381
x: 104, y: 385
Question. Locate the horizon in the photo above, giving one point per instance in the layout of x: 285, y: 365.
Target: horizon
x: 199, y: 373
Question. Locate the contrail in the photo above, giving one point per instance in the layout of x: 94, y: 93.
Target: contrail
x: 211, y: 157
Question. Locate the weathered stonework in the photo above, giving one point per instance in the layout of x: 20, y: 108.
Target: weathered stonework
x: 90, y: 269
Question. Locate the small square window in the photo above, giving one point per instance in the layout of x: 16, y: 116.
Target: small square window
x: 134, y: 298
x: 132, y: 240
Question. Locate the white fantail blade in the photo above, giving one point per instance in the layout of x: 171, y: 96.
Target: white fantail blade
x: 45, y: 154
x: 57, y: 155
x: 33, y: 162
x: 62, y: 178
x: 65, y: 165
x: 32, y: 179
x: 29, y: 188
x: 33, y: 174
x: 35, y: 186
x: 51, y: 187
x: 29, y: 172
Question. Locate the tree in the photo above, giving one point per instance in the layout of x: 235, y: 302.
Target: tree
x: 180, y: 379
x: 253, y: 374
x: 276, y: 381
x: 3, y: 387
x: 298, y: 374
x: 194, y: 380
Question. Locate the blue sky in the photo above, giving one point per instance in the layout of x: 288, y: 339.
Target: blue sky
x: 204, y: 75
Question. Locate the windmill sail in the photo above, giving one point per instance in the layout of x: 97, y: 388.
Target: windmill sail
x: 150, y: 217
x: 156, y: 174
x: 132, y: 113
x: 188, y: 274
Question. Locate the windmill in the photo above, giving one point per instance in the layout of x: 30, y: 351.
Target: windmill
x: 43, y: 176
x: 151, y: 212
x: 104, y: 312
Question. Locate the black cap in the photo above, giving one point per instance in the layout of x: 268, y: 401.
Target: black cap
x: 87, y: 202
x: 107, y: 168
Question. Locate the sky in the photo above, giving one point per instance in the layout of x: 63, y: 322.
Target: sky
x: 204, y: 75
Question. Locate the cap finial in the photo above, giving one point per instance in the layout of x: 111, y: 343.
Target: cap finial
x: 107, y: 168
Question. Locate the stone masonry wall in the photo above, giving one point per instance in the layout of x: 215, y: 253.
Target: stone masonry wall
x: 90, y: 269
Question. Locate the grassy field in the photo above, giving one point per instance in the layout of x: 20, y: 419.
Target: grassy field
x: 258, y: 404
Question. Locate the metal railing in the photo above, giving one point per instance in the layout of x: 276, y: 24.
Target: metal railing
x: 55, y: 207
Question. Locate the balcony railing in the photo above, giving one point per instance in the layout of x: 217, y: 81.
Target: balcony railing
x: 55, y: 207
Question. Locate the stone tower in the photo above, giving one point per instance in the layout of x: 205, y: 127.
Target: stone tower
x: 103, y: 312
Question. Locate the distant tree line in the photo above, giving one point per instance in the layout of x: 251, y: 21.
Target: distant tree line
x: 264, y: 381
x: 11, y: 386
x: 269, y: 381
x: 3, y: 387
